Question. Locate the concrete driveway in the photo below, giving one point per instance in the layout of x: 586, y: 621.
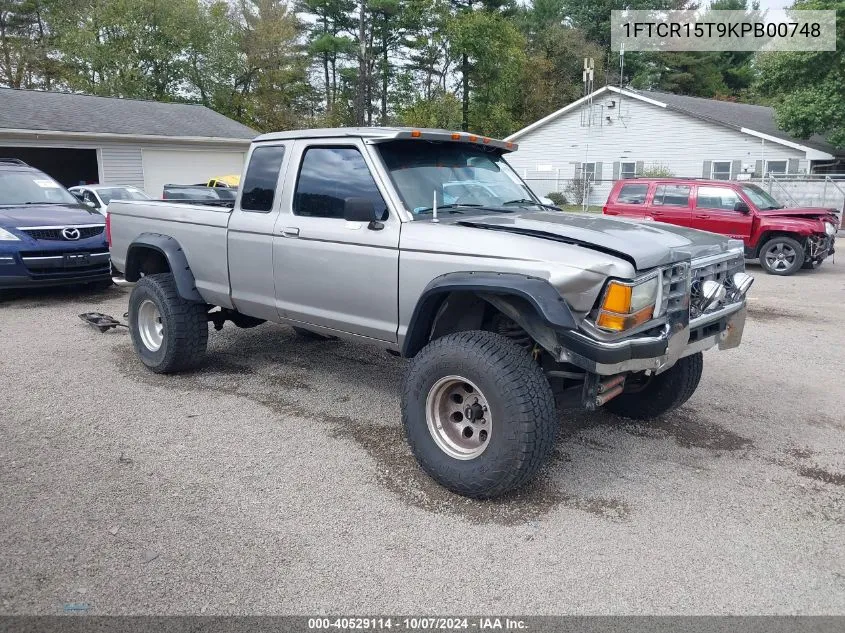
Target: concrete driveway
x: 276, y: 480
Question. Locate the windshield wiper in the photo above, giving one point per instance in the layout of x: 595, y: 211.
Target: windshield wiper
x: 418, y: 210
x: 533, y: 203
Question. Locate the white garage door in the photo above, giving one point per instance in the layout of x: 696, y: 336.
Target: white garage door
x: 186, y: 167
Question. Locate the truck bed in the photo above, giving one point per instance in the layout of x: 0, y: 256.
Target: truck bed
x: 200, y: 230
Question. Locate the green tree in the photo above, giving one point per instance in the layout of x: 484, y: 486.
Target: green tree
x: 807, y: 88
x: 27, y: 43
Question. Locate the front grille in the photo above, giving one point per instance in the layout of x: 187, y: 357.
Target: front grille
x: 721, y: 271
x: 56, y: 234
x: 80, y: 272
x: 676, y: 281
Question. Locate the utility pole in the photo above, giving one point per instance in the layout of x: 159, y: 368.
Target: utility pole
x: 363, y: 81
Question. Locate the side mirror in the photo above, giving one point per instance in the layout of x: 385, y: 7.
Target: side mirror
x: 361, y: 210
x: 741, y: 207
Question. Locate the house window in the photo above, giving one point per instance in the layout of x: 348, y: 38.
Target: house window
x: 588, y: 171
x: 721, y: 170
x: 775, y: 166
x: 628, y: 170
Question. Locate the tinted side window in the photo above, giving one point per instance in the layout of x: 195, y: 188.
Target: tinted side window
x: 722, y: 198
x: 671, y: 195
x: 632, y: 194
x: 261, y: 177
x: 330, y: 175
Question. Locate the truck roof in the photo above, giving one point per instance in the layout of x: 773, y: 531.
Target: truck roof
x: 376, y: 134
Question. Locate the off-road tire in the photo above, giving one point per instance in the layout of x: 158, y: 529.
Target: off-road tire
x: 185, y: 334
x: 786, y: 241
x: 663, y: 393
x: 521, y: 403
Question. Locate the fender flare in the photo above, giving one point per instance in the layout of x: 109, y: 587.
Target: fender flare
x: 549, y: 306
x: 176, y: 259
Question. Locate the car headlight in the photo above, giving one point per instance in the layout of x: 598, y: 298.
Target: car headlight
x: 628, y: 304
x: 5, y: 236
x: 829, y: 228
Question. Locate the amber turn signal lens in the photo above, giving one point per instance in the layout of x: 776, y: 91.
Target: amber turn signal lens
x: 619, y: 322
x: 617, y: 299
x: 416, y: 134
x: 456, y: 137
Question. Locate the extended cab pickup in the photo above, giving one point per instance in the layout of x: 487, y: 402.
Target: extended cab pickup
x: 427, y: 243
x: 784, y: 239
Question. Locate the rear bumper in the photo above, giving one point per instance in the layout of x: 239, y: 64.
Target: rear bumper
x: 655, y: 353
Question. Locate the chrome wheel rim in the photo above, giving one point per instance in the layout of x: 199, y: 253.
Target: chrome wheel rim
x: 458, y: 417
x: 780, y: 257
x: 150, y: 326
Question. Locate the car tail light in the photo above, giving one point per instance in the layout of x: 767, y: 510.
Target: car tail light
x: 108, y: 229
x: 604, y: 209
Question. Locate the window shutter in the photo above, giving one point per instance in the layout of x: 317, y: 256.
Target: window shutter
x: 577, y: 170
x: 792, y: 166
x: 639, y: 168
x: 758, y: 169
x: 616, y: 170
x: 597, y: 173
x: 706, y: 172
x: 736, y: 168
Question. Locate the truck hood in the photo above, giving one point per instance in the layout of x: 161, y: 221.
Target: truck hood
x: 814, y: 213
x: 644, y: 244
x: 48, y: 215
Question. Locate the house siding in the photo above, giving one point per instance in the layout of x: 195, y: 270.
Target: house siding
x: 638, y: 132
x: 121, y: 165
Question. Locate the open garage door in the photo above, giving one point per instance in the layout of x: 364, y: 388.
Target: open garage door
x: 69, y: 166
x: 186, y: 167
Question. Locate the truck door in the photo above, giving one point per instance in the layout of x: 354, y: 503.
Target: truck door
x: 330, y: 272
x: 671, y: 203
x: 250, y: 234
x: 716, y: 211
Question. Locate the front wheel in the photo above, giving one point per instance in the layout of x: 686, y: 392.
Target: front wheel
x: 647, y: 397
x: 781, y: 256
x: 478, y: 413
x: 169, y: 333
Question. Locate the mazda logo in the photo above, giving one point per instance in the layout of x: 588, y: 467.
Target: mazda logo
x: 71, y: 233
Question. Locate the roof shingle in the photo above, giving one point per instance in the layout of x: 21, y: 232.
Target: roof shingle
x: 66, y: 112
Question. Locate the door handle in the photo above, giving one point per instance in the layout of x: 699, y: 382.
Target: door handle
x: 290, y: 231
x: 703, y: 216
x: 655, y: 212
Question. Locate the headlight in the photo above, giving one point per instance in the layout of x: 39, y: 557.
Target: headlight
x: 829, y: 228
x: 5, y: 236
x: 628, y: 304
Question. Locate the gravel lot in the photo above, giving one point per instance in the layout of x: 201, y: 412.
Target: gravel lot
x: 276, y: 480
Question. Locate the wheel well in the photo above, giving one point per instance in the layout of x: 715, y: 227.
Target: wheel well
x: 145, y: 260
x: 460, y: 311
x: 768, y: 235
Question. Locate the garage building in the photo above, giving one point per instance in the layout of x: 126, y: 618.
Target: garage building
x: 82, y: 139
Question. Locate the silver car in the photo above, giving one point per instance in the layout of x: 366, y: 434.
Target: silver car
x: 499, y: 301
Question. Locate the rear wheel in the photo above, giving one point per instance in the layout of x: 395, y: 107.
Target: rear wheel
x: 169, y: 333
x: 781, y: 256
x: 646, y: 398
x: 478, y: 412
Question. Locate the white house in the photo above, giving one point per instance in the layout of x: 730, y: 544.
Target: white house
x: 615, y: 133
x: 85, y: 139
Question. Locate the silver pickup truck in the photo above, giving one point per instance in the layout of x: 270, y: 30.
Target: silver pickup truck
x: 427, y: 243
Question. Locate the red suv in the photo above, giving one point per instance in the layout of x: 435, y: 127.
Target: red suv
x: 783, y: 239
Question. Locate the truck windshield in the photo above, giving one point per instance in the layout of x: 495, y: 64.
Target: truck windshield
x: 760, y: 198
x: 462, y: 176
x: 20, y: 188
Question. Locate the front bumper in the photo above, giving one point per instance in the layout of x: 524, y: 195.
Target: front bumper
x: 29, y: 269
x: 655, y: 353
